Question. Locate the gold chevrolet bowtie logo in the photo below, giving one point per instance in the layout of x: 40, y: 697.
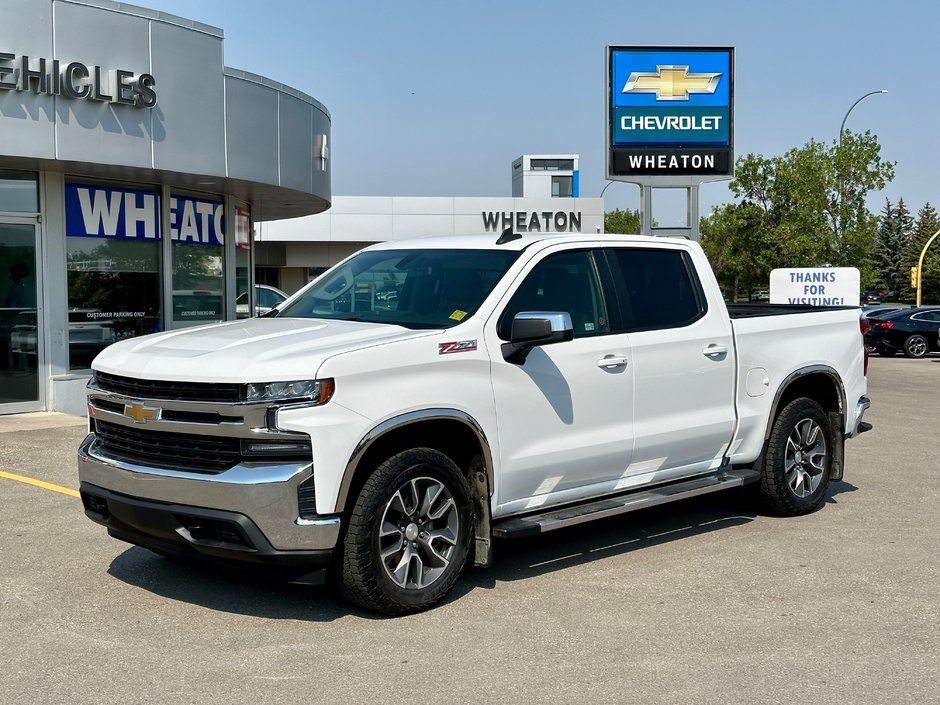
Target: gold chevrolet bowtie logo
x: 672, y: 82
x: 141, y: 413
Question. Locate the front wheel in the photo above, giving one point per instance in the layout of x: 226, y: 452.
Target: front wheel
x: 798, y: 460
x: 409, y: 533
x: 916, y: 346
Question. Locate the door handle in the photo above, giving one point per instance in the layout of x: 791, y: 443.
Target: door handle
x: 610, y: 361
x: 712, y: 350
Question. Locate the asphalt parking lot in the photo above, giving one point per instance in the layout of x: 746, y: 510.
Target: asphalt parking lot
x: 699, y: 602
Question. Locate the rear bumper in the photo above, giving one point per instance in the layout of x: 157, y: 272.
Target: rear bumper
x: 266, y: 495
x: 226, y: 538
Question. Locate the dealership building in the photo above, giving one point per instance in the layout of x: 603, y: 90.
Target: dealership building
x: 545, y: 198
x: 134, y: 166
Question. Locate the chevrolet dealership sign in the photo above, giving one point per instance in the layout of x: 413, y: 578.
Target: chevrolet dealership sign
x: 670, y: 111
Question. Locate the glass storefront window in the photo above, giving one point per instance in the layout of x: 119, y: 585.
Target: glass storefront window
x: 19, y: 323
x: 113, y: 264
x: 19, y: 192
x: 197, y: 229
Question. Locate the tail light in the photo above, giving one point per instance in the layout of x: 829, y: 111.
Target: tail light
x: 886, y: 325
x: 863, y: 326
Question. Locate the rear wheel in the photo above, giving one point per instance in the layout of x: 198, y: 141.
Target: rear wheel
x: 409, y: 534
x: 916, y: 346
x: 798, y: 461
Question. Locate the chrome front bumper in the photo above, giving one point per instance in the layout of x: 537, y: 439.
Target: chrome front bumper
x: 265, y: 494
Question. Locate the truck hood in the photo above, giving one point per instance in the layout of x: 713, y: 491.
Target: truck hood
x: 251, y: 350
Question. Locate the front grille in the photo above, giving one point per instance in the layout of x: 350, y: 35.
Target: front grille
x: 176, y: 451
x: 177, y: 391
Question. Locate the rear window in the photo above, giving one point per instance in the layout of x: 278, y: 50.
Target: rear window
x: 657, y: 288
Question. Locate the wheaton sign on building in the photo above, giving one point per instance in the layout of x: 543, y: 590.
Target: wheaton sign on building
x: 670, y: 111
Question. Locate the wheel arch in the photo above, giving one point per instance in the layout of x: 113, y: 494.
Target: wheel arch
x: 823, y: 385
x: 454, y: 433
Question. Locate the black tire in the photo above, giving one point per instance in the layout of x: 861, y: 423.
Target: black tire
x: 796, y: 459
x: 365, y: 578
x: 887, y: 353
x: 916, y: 346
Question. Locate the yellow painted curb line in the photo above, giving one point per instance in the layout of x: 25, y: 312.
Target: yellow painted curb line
x: 40, y: 483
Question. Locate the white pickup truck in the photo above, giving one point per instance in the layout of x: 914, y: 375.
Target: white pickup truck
x: 422, y: 398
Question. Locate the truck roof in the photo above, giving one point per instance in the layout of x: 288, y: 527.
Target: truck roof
x: 487, y: 241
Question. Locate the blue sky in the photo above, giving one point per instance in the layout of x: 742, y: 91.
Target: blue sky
x: 438, y: 98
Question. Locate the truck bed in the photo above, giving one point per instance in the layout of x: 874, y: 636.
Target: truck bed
x: 753, y: 310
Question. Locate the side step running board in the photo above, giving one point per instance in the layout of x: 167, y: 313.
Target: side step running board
x: 517, y: 527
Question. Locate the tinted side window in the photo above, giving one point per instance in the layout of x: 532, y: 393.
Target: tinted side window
x: 268, y: 298
x: 657, y: 290
x: 563, y: 282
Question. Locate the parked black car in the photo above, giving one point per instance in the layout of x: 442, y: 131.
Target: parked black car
x: 871, y: 298
x: 912, y: 331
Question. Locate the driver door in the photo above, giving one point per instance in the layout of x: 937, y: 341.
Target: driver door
x: 565, y: 416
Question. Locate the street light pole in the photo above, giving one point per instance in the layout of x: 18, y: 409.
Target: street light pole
x: 839, y: 228
x: 842, y: 127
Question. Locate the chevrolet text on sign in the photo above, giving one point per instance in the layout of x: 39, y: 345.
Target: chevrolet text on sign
x: 670, y: 111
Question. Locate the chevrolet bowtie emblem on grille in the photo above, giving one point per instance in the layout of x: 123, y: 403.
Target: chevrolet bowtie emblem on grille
x: 141, y: 413
x: 671, y: 82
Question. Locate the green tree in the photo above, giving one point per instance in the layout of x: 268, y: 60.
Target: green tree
x: 739, y: 246
x: 927, y: 223
x: 891, y: 252
x: 622, y: 221
x: 811, y: 203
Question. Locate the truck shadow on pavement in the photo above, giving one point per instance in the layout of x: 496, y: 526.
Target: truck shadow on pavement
x: 518, y: 559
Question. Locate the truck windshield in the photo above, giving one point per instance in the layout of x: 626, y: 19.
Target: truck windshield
x: 410, y: 288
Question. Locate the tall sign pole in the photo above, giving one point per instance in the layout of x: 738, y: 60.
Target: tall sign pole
x: 670, y: 123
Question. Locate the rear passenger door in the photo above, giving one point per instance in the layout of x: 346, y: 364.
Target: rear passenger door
x: 683, y: 363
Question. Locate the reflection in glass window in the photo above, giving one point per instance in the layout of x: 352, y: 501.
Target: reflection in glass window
x: 562, y: 186
x: 113, y: 266
x: 564, y: 282
x: 243, y: 262
x: 410, y: 288
x: 197, y: 231
x: 18, y: 192
x: 659, y: 292
x: 552, y: 164
x: 19, y: 323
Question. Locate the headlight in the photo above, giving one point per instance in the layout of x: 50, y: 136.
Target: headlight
x: 318, y: 391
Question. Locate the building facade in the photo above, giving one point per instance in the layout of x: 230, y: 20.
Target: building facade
x: 133, y: 167
x: 292, y: 252
x: 546, y: 176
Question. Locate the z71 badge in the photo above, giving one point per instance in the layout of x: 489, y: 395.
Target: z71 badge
x: 460, y: 346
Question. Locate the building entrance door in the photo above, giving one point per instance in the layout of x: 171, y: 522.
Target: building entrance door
x: 20, y: 319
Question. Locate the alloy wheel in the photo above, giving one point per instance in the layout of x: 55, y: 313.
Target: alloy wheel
x: 805, y: 459
x: 418, y: 533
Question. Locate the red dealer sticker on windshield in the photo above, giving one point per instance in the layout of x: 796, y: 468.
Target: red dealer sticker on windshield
x: 460, y: 346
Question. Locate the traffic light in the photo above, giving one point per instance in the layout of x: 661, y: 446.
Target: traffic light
x: 915, y: 277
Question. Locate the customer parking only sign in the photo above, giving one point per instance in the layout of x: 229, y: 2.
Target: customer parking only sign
x: 820, y: 286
